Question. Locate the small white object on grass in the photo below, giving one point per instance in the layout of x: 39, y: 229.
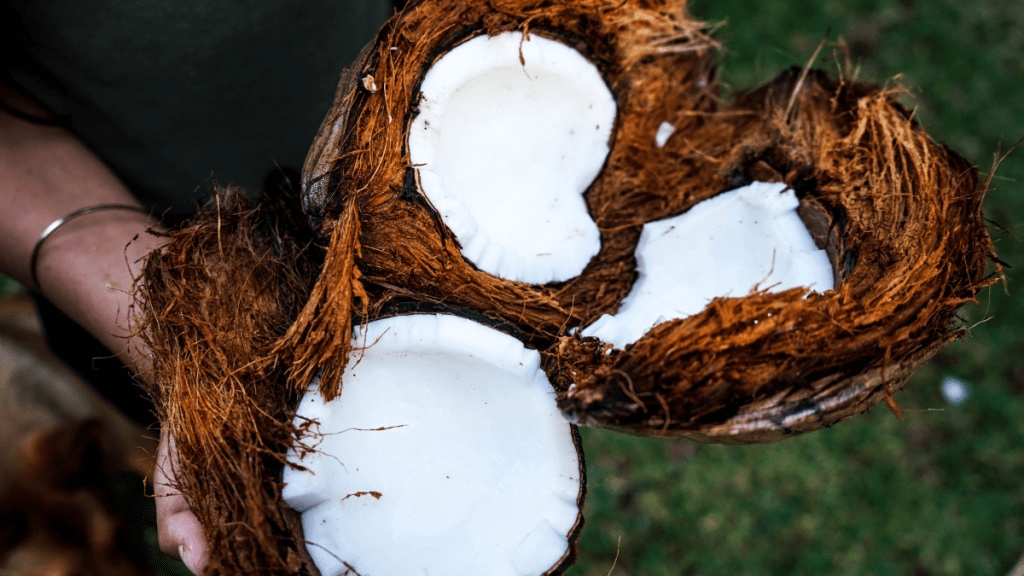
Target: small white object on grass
x: 741, y: 240
x: 955, y: 390
x: 444, y: 455
x: 511, y: 131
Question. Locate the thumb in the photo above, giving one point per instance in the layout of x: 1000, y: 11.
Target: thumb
x: 185, y: 540
x: 178, y: 530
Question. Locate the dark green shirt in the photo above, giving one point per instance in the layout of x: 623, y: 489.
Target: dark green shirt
x: 175, y: 95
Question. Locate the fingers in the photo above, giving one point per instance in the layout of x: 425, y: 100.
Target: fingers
x: 181, y: 537
x: 179, y: 533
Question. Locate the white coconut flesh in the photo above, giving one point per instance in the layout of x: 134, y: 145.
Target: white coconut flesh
x: 739, y: 241
x: 444, y: 455
x: 510, y: 132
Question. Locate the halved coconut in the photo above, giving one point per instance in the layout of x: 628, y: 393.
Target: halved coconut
x: 487, y: 153
x: 446, y: 454
x: 510, y: 131
x: 899, y: 217
x: 734, y: 244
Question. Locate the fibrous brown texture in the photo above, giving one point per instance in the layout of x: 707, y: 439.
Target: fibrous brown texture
x: 216, y: 305
x: 900, y: 217
x: 899, y: 214
x: 242, y: 314
x: 655, y: 60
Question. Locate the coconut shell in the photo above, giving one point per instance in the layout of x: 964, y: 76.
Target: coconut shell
x: 899, y: 215
x: 244, y: 306
x: 658, y: 64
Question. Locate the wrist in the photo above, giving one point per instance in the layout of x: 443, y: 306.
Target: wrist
x: 56, y: 225
x: 87, y: 267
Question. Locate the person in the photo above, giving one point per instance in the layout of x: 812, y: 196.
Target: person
x: 115, y: 117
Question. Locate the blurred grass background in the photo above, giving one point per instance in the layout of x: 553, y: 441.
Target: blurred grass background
x: 941, y: 493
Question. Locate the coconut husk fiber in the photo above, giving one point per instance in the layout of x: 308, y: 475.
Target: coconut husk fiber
x: 900, y: 217
x: 898, y: 213
x: 244, y: 307
x: 658, y: 64
x: 213, y: 304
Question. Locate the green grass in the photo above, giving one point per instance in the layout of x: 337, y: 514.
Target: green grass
x: 936, y: 494
x: 941, y: 493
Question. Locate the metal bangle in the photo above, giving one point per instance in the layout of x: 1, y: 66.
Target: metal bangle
x: 49, y: 230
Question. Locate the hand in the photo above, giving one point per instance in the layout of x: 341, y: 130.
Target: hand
x: 87, y: 268
x: 179, y: 532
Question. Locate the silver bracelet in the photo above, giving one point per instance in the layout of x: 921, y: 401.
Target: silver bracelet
x: 49, y: 230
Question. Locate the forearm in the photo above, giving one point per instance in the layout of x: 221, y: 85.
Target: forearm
x: 86, y: 267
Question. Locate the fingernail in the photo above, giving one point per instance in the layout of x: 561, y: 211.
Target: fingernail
x: 181, y: 553
x: 184, y: 560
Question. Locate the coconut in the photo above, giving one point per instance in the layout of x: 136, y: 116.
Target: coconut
x: 448, y: 434
x: 446, y: 454
x: 367, y: 160
x: 763, y: 266
x: 508, y: 126
x: 895, y: 221
x: 749, y: 237
x: 900, y: 218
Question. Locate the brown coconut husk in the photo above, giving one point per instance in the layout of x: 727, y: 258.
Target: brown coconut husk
x: 242, y: 314
x: 657, y: 62
x: 900, y: 217
x: 898, y: 213
x: 215, y: 304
